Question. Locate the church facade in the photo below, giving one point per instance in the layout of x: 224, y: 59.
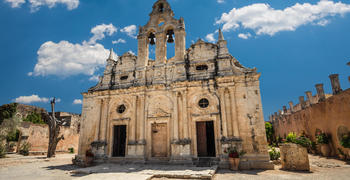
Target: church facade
x: 195, y: 104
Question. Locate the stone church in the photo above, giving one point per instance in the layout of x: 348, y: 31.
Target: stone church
x: 174, y: 109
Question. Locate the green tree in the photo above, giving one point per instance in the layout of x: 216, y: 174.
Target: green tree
x: 34, y: 118
x: 7, y: 111
x: 269, y: 132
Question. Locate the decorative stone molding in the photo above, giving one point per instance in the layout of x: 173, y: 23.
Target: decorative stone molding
x: 229, y: 140
x: 122, y: 119
x: 181, y: 141
x: 98, y: 144
x: 135, y: 143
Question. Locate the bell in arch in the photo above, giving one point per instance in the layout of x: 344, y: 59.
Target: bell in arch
x: 151, y: 38
x: 170, y: 34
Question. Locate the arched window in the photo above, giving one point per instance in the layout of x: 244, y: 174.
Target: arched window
x: 161, y: 8
x: 170, y: 45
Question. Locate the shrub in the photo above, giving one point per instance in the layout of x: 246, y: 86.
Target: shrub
x: 274, y: 154
x: 71, y: 150
x: 2, y: 150
x: 291, y: 138
x: 34, y: 118
x: 303, y: 141
x: 7, y: 111
x: 345, y: 141
x: 269, y: 132
x: 233, y: 152
x: 13, y: 136
x: 322, y: 138
x: 24, y: 149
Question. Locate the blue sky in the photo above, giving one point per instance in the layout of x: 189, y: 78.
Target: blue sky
x: 58, y: 48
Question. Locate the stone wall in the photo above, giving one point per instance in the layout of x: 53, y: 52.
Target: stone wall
x: 38, y: 134
x: 328, y: 113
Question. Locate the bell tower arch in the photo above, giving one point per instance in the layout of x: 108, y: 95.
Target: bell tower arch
x: 161, y: 29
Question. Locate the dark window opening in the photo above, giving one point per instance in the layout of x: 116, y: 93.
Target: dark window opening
x: 201, y: 67
x: 121, y: 109
x: 161, y: 8
x: 203, y: 103
x: 170, y: 34
x: 124, y: 78
x: 152, y: 39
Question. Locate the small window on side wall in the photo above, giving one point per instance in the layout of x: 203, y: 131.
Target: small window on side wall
x: 202, y: 67
x: 123, y: 78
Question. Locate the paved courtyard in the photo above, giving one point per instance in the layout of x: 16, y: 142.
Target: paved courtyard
x: 17, y: 167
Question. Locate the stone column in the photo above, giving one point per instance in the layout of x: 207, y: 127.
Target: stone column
x: 335, y: 83
x: 104, y: 123
x: 228, y: 109
x: 142, y: 118
x: 284, y: 109
x: 175, y: 118
x: 291, y: 106
x: 184, y: 113
x: 143, y: 51
x: 98, y: 130
x: 234, y: 113
x: 223, y: 112
x: 180, y: 44
x: 132, y: 133
x: 302, y: 102
x: 160, y: 48
x: 320, y: 92
x: 309, y: 96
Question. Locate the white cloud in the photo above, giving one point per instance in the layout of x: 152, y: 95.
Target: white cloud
x: 263, y: 19
x: 244, y: 36
x: 15, y: 3
x: 210, y: 37
x: 94, y: 78
x: 220, y: 1
x: 66, y: 59
x: 119, y: 41
x: 31, y: 99
x: 130, y: 31
x: 77, y: 101
x: 36, y: 4
x: 99, y: 32
x: 131, y: 52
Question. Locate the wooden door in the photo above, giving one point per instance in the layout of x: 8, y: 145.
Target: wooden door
x: 201, y: 139
x: 159, y: 140
x: 119, y: 143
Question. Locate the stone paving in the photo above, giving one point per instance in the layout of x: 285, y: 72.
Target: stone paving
x: 17, y: 167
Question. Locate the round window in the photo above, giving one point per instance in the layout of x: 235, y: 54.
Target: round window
x: 203, y: 103
x: 121, y: 109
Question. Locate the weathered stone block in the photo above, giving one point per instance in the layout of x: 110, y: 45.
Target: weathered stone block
x: 294, y: 157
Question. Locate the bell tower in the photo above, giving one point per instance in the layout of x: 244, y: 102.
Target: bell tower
x: 162, y: 29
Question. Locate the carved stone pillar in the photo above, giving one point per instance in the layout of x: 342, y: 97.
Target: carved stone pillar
x: 160, y: 48
x: 320, y: 92
x: 335, y: 83
x: 223, y: 112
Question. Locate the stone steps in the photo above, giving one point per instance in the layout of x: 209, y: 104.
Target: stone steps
x: 205, y: 161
